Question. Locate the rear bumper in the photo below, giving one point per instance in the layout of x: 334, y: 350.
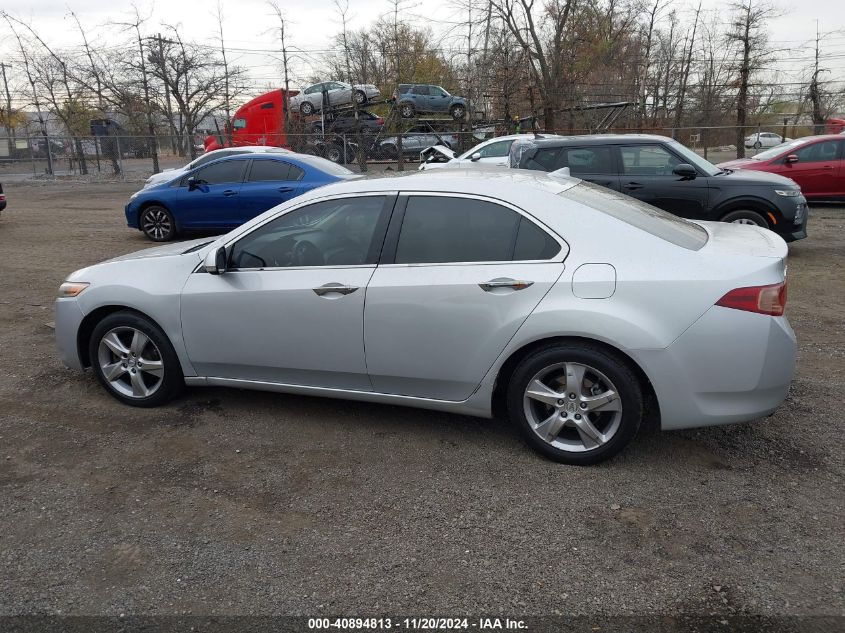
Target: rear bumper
x: 730, y: 366
x: 68, y: 319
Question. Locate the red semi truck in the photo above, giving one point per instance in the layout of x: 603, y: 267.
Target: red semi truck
x: 260, y: 121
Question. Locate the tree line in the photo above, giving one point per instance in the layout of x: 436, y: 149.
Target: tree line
x: 677, y: 66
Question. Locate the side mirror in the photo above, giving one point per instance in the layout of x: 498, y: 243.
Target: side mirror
x: 215, y: 262
x: 475, y: 157
x: 685, y: 170
x: 792, y: 158
x: 192, y: 183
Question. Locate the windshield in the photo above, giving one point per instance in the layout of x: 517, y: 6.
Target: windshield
x: 777, y: 150
x: 694, y: 159
x: 639, y: 214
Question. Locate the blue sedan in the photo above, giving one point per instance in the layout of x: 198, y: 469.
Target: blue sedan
x: 226, y: 193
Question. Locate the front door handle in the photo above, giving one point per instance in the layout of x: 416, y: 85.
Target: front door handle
x: 334, y: 288
x: 828, y: 167
x: 633, y: 186
x: 504, y: 282
x: 229, y: 192
x: 285, y: 189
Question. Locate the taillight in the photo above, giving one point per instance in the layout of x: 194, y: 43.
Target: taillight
x: 761, y: 299
x: 380, y: 121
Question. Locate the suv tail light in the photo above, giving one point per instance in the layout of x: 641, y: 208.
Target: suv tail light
x: 769, y: 300
x: 380, y: 121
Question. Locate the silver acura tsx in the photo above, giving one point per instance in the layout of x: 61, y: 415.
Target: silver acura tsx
x: 576, y: 310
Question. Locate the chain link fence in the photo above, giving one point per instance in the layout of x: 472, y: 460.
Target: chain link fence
x: 131, y: 158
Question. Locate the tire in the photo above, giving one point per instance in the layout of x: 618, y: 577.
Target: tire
x: 458, y: 112
x: 334, y: 153
x: 758, y: 145
x: 389, y: 151
x: 157, y: 223
x: 553, y: 422
x: 151, y: 377
x: 407, y: 110
x: 743, y: 216
x: 306, y: 108
x: 359, y: 97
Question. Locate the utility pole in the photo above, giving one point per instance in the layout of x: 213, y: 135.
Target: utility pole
x: 10, y: 129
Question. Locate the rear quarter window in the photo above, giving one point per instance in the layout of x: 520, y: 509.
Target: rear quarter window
x: 643, y: 216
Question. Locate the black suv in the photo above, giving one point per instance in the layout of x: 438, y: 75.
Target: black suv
x: 664, y: 173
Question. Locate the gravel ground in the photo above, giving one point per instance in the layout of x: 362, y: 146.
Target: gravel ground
x: 236, y: 502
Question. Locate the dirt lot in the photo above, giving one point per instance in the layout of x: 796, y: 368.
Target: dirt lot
x: 231, y: 502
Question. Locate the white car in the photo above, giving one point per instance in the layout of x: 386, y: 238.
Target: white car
x: 580, y: 309
x: 310, y: 100
x: 169, y: 174
x: 764, y: 139
x: 493, y: 151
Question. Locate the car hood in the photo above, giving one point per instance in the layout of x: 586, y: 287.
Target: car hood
x: 177, y: 248
x: 164, y: 176
x: 740, y: 163
x: 753, y: 178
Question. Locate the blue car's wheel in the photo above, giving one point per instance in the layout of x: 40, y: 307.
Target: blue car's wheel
x: 157, y: 223
x: 458, y: 111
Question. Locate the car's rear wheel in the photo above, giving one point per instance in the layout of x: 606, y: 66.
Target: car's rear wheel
x: 575, y: 404
x: 745, y: 216
x: 458, y: 112
x: 306, y: 108
x: 133, y: 359
x: 407, y: 111
x: 157, y: 223
x: 360, y: 97
x: 334, y: 153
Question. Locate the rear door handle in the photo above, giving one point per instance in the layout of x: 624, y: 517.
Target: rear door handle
x: 633, y: 185
x: 504, y: 282
x: 230, y: 192
x: 285, y: 189
x: 334, y: 288
x: 828, y: 167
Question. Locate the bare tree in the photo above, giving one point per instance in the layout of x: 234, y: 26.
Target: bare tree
x: 749, y: 37
x: 30, y: 76
x: 226, y: 103
x: 285, y: 64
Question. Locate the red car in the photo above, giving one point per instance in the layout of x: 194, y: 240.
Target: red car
x: 816, y: 163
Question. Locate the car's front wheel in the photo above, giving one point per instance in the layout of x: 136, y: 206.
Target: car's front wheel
x: 744, y: 216
x: 307, y: 108
x: 758, y: 145
x: 157, y: 223
x: 133, y: 359
x: 458, y: 112
x: 575, y: 403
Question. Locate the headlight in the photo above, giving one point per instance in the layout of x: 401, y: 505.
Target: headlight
x: 72, y: 288
x: 789, y: 193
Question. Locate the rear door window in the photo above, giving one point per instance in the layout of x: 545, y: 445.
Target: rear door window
x: 587, y: 160
x: 545, y: 159
x: 441, y: 229
x: 268, y: 170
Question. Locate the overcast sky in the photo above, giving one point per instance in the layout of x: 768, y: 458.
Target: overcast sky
x: 313, y: 22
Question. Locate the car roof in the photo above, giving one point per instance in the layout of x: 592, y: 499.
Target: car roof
x: 602, y: 139
x: 510, y: 185
x: 819, y: 137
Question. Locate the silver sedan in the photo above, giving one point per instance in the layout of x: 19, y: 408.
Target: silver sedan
x: 578, y: 310
x: 310, y: 100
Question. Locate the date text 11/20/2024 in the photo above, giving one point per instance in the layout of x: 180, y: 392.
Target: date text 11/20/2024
x: 419, y: 624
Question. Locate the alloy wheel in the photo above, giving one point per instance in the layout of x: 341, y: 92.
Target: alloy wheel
x: 157, y: 224
x: 130, y: 362
x: 745, y: 221
x: 572, y: 407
